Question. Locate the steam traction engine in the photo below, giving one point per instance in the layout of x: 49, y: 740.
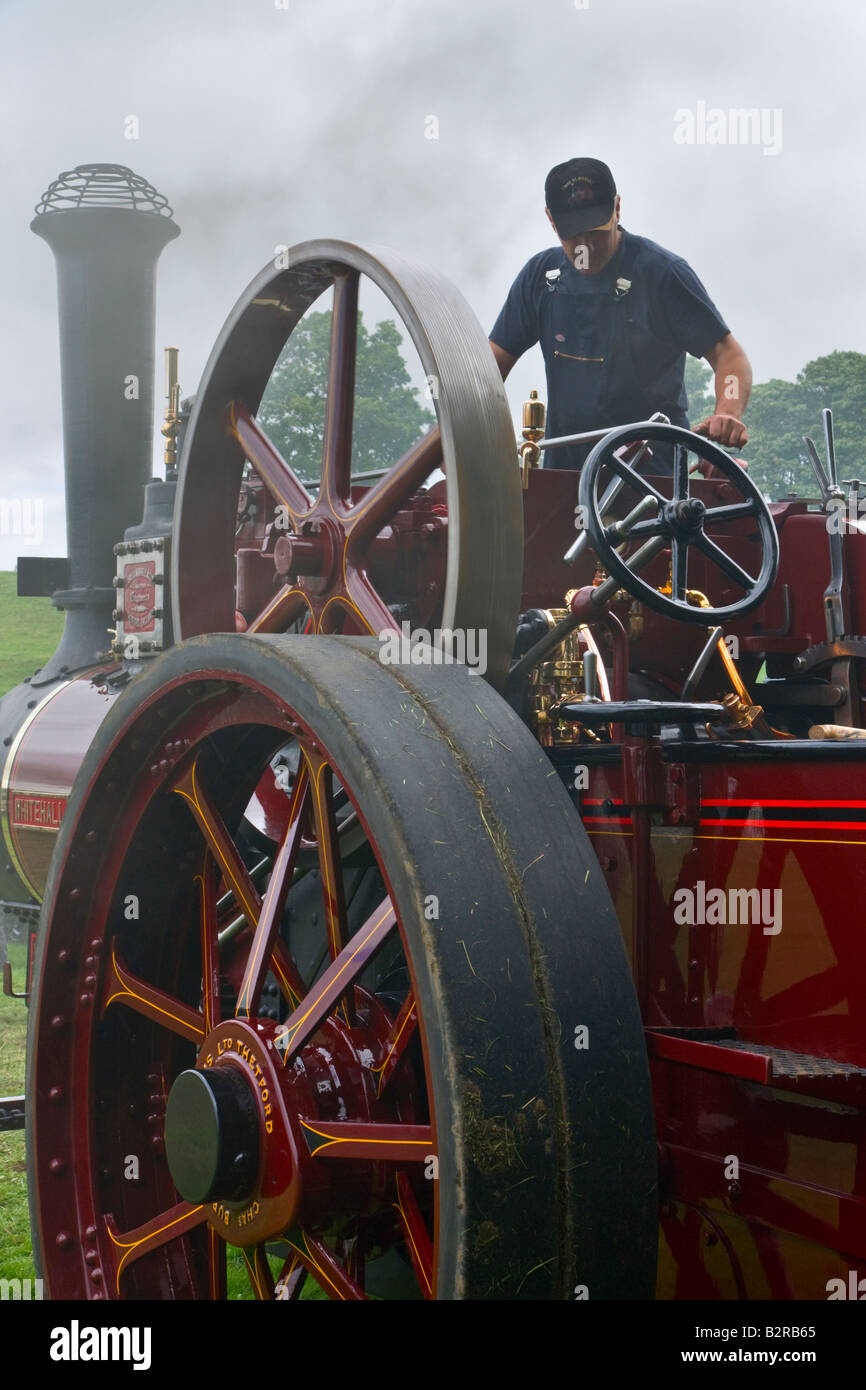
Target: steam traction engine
x: 402, y: 981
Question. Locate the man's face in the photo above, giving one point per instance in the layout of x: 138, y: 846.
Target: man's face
x: 591, y: 251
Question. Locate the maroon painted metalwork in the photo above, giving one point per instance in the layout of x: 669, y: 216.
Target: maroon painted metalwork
x: 313, y: 1162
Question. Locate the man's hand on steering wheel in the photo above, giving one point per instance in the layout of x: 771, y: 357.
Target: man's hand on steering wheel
x: 726, y: 430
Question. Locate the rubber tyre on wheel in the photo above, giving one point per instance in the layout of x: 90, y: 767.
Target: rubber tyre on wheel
x: 544, y: 1179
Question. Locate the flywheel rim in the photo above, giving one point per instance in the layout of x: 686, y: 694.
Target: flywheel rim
x: 485, y: 527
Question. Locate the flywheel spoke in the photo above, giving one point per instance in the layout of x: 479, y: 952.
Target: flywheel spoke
x: 337, y: 442
x: 392, y: 491
x: 286, y: 605
x: 361, y: 602
x: 276, y: 474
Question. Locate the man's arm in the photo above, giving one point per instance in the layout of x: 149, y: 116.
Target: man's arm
x: 733, y: 386
x: 504, y: 360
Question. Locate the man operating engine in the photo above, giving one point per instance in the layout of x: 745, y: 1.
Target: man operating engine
x: 615, y: 315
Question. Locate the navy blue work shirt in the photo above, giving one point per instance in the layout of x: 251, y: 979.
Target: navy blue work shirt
x: 611, y: 356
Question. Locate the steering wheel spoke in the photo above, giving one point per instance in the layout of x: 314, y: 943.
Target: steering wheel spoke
x: 735, y: 511
x: 681, y: 472
x: 679, y: 568
x: 726, y: 563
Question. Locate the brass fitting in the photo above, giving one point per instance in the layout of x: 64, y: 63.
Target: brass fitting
x: 171, y: 427
x: 534, y: 416
x: 741, y: 714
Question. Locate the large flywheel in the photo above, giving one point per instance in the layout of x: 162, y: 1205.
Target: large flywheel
x: 450, y: 1099
x: 345, y: 558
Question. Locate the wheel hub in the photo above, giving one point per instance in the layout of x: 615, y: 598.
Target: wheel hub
x: 686, y: 516
x: 212, y: 1135
x: 237, y: 1146
x: 238, y: 1126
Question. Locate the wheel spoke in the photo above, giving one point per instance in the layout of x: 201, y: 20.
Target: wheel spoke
x: 403, y: 1030
x: 341, y: 973
x: 725, y: 562
x: 636, y: 480
x: 288, y: 976
x: 216, y: 1251
x: 276, y: 474
x: 209, y: 945
x: 221, y: 843
x: 351, y: 1252
x: 376, y: 508
x: 337, y: 442
x: 679, y: 568
x: 321, y: 780
x: 274, y: 900
x: 169, y: 1225
x: 641, y: 529
x: 734, y: 512
x: 681, y: 472
x: 327, y: 1271
x: 291, y: 1279
x: 286, y: 605
x: 415, y: 1230
x: 362, y: 602
x: 121, y: 986
x: 261, y: 1278
x: 378, y: 1143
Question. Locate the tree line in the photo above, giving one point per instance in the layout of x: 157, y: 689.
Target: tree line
x: 780, y: 412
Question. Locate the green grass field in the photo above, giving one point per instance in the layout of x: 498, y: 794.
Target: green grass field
x: 30, y: 629
x: 15, y: 1257
x: 29, y: 632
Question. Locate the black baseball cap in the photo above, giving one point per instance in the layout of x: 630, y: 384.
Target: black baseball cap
x: 580, y: 195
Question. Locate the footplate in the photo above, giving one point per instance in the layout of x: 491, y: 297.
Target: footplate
x: 719, y: 1049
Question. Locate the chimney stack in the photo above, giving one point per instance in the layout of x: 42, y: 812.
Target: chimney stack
x: 107, y: 227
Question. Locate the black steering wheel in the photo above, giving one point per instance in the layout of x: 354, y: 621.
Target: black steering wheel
x: 680, y: 522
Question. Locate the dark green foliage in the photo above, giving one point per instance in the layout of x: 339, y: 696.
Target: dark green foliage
x: 781, y: 412
x: 389, y: 418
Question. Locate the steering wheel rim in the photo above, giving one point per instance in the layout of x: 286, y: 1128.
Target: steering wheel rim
x: 681, y: 521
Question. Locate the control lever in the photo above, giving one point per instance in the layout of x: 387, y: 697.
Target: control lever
x: 600, y: 595
x: 835, y: 616
x: 817, y: 467
x: 829, y: 445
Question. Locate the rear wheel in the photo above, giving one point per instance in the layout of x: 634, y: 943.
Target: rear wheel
x: 413, y: 1118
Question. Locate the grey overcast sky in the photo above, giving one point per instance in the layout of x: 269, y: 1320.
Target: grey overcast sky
x: 266, y: 123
